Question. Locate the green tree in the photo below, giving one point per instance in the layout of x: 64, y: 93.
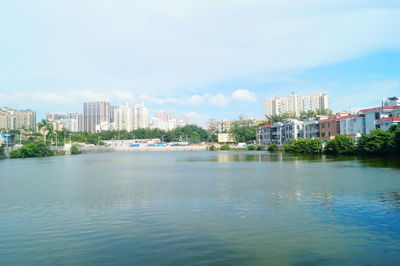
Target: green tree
x: 306, y: 146
x: 395, y: 130
x: 377, y: 142
x: 32, y: 149
x: 243, y: 131
x: 75, y: 149
x: 314, y: 113
x: 46, y: 129
x: 1, y: 152
x: 341, y: 145
x: 280, y: 118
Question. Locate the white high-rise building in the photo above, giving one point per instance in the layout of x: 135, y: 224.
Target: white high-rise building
x: 71, y: 121
x: 167, y: 121
x: 391, y: 101
x: 295, y: 104
x: 131, y: 117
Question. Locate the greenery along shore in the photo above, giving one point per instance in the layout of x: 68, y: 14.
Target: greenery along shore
x: 377, y: 143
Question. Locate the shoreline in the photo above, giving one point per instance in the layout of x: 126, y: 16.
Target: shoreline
x: 85, y: 150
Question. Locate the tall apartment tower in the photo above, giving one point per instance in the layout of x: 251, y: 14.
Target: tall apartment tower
x: 131, y: 117
x: 13, y: 120
x: 295, y: 104
x: 95, y: 113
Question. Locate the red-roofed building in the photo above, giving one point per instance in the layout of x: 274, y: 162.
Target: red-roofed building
x: 388, y: 122
x: 373, y: 115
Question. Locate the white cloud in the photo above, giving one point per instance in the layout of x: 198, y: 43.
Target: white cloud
x: 218, y: 100
x: 158, y: 45
x: 244, y: 95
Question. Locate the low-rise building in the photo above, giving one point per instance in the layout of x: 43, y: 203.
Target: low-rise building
x: 388, y: 122
x: 352, y: 125
x: 373, y: 115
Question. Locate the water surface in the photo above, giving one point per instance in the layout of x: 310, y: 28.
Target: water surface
x: 199, y: 208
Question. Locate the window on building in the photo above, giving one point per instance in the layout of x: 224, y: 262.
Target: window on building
x: 377, y: 116
x: 329, y: 125
x: 323, y: 134
x: 323, y: 126
x: 329, y: 134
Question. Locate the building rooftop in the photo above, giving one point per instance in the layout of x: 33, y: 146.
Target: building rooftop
x: 379, y: 109
x: 388, y: 119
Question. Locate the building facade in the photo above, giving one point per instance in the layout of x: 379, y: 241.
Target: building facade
x: 17, y: 119
x: 70, y: 121
x: 131, y: 117
x: 295, y: 104
x: 391, y: 101
x: 373, y: 115
x: 95, y: 113
x: 167, y: 121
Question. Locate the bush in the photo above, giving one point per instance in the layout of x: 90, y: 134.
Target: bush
x: 1, y: 152
x: 273, y: 148
x: 306, y: 146
x: 395, y: 130
x: 378, y: 142
x: 75, y: 149
x: 251, y: 148
x: 211, y: 148
x: 32, y: 149
x: 225, y: 147
x: 259, y: 148
x: 15, y: 154
x: 341, y: 145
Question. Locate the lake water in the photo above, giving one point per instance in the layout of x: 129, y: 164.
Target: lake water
x: 199, y: 208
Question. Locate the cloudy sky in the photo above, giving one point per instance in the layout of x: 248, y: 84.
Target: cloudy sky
x: 208, y: 59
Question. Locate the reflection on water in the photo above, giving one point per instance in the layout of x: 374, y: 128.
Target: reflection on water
x: 391, y: 198
x: 237, y: 156
x: 184, y: 208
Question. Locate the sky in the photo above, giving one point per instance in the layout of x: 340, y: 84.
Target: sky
x: 205, y: 59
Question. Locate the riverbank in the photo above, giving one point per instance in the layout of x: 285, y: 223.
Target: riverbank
x: 97, y: 149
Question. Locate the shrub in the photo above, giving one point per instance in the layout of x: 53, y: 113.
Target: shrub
x: 341, y: 145
x: 378, y: 142
x: 251, y: 148
x: 259, y: 148
x: 306, y: 146
x: 396, y: 137
x: 75, y: 149
x: 1, y: 152
x: 225, y: 147
x: 211, y: 148
x: 273, y: 147
x: 15, y: 154
x: 32, y: 149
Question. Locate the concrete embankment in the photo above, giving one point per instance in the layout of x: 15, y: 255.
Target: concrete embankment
x: 141, y: 149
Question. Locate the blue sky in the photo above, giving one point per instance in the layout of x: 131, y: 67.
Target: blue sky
x: 207, y: 59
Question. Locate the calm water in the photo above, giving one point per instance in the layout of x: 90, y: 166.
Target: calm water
x: 196, y: 208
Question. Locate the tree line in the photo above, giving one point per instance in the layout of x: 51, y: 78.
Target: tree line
x: 378, y: 142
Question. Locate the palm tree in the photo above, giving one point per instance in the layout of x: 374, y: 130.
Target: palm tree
x: 45, y: 128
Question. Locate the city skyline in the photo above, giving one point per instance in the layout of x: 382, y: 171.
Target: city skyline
x: 169, y: 56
